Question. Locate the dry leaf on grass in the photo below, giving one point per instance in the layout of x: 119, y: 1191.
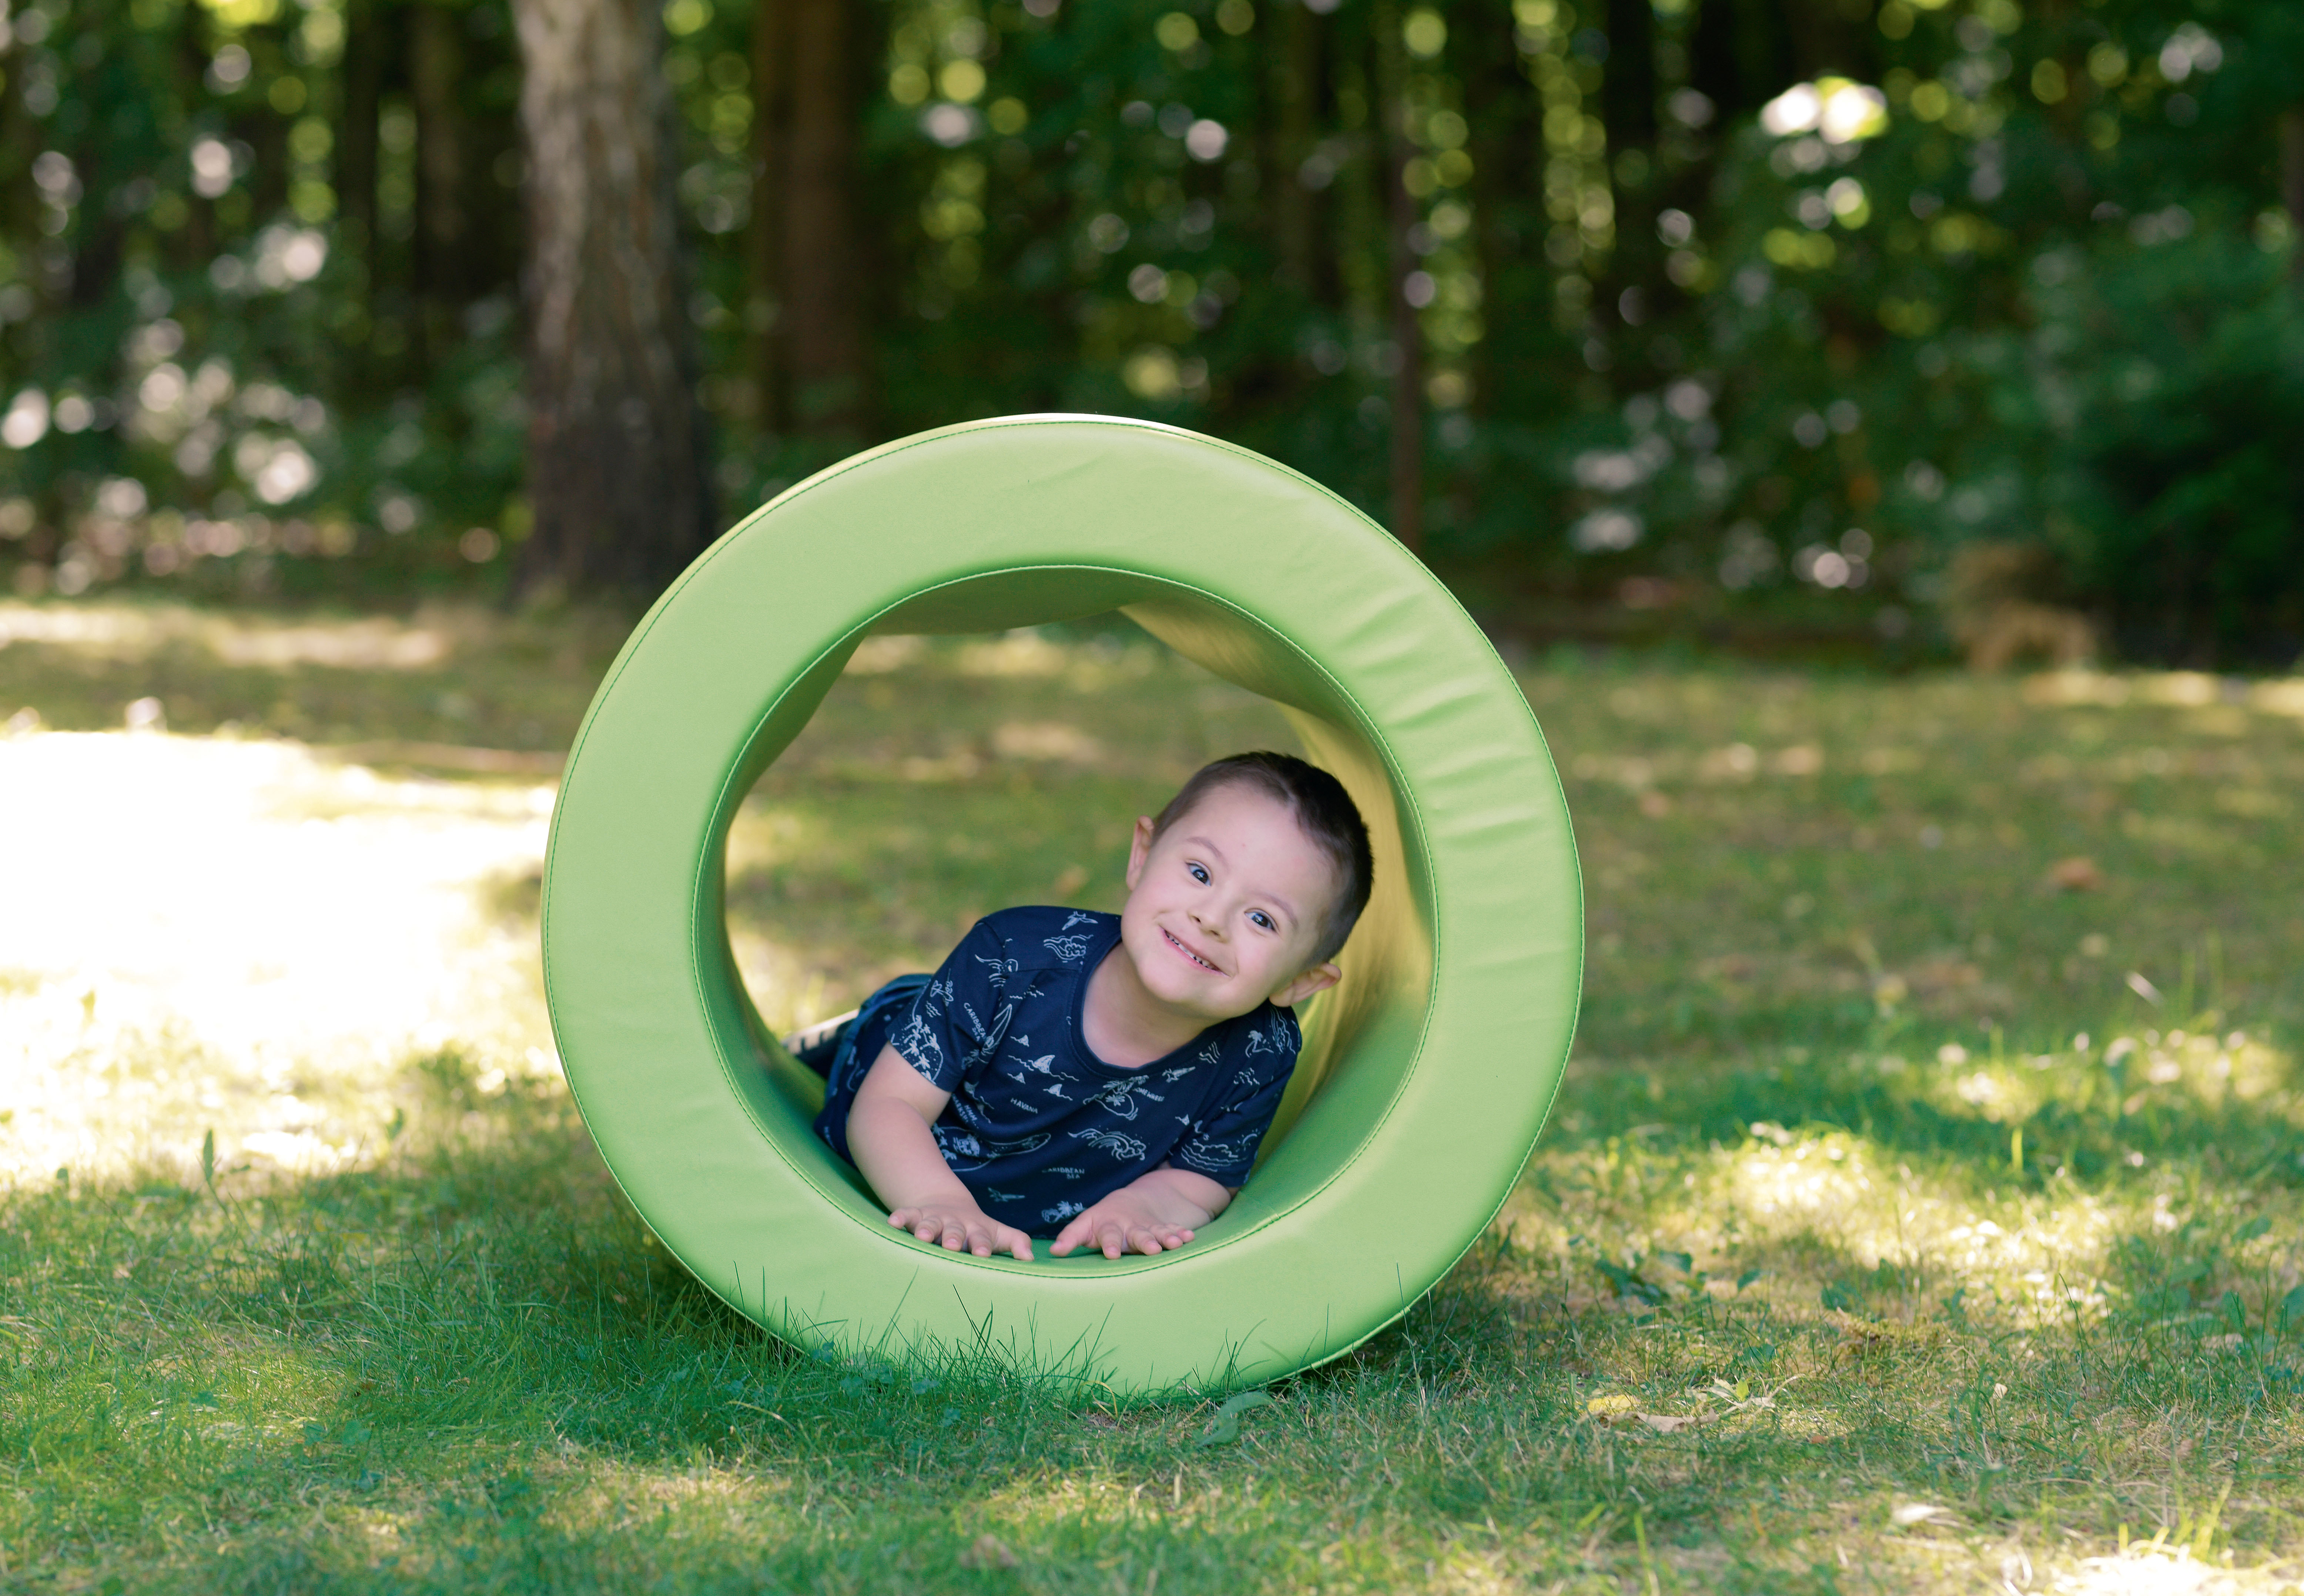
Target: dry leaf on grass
x: 1618, y: 1409
x: 2076, y: 874
x: 990, y: 1551
x: 1664, y: 1424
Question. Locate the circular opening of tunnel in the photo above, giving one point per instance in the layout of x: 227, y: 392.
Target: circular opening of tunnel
x: 941, y: 776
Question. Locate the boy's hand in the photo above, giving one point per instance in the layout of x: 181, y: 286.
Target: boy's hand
x: 1157, y: 1212
x: 1112, y: 1230
x: 964, y: 1228
x: 891, y: 1131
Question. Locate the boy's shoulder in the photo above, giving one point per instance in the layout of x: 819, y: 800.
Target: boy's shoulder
x: 1040, y: 937
x: 1268, y: 1036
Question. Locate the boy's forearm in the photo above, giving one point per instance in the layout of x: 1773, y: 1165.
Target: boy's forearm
x: 897, y: 1152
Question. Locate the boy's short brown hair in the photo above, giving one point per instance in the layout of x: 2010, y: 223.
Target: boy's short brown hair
x: 1321, y: 806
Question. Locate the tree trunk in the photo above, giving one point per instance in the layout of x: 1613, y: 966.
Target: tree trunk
x: 822, y: 344
x: 1628, y: 107
x: 356, y: 139
x: 435, y: 74
x: 616, y: 451
x: 764, y: 241
x: 1628, y: 93
x: 1295, y: 82
x: 1742, y: 54
x: 1507, y: 149
x: 95, y: 263
x: 2292, y: 184
x: 1407, y: 325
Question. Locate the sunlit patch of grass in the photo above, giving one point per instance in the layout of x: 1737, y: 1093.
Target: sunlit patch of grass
x: 235, y: 941
x: 442, y: 677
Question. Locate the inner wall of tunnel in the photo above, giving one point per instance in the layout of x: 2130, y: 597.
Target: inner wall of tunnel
x: 943, y: 776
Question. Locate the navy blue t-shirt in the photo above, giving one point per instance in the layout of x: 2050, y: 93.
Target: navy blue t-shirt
x: 1039, y: 1128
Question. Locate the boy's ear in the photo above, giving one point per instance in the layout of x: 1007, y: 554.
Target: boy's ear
x: 1318, y: 979
x: 1138, y: 847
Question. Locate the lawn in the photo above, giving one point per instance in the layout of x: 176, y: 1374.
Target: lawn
x: 1921, y: 1211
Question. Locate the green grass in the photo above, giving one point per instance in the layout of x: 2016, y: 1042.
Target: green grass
x: 1842, y: 1266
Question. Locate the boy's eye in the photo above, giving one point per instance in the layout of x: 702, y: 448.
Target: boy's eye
x: 1200, y: 873
x: 1262, y: 920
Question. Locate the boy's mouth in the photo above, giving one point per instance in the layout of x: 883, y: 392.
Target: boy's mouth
x: 1187, y: 953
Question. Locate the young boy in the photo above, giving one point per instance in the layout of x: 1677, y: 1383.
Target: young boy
x: 1103, y: 1077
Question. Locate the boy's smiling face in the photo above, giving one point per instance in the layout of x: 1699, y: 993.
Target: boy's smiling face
x: 1225, y: 909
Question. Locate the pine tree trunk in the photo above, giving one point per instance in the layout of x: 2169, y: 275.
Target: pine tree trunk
x: 1507, y: 149
x: 1407, y: 325
x: 764, y: 240
x: 1741, y: 53
x: 823, y: 344
x: 2291, y: 182
x: 1628, y: 110
x: 436, y: 75
x: 615, y: 447
x: 1295, y: 82
x: 356, y: 140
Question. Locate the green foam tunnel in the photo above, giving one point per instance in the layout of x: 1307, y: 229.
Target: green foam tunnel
x: 1426, y: 1073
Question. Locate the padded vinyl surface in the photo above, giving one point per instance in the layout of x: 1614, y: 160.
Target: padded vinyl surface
x: 1427, y: 1072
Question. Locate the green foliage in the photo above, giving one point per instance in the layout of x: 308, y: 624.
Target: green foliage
x: 2173, y: 381
x: 259, y: 265
x: 231, y: 367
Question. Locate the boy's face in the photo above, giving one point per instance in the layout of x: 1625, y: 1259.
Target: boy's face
x: 1225, y: 910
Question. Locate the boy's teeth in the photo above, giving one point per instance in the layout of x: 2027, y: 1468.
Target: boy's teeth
x: 1187, y: 953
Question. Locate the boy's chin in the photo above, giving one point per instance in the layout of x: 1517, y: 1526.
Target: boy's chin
x: 1180, y: 990
x: 1185, y: 993
x: 1185, y: 988
x: 1208, y: 1003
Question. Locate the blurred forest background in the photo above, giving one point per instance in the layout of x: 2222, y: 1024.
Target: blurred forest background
x: 1867, y: 326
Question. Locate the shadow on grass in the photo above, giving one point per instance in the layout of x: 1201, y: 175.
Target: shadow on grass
x: 476, y: 1345
x: 469, y: 1368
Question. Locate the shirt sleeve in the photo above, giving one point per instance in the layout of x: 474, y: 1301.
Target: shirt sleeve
x: 961, y: 1014
x: 1221, y: 1144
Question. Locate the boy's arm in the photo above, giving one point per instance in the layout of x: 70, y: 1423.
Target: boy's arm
x: 1157, y: 1212
x: 890, y: 1138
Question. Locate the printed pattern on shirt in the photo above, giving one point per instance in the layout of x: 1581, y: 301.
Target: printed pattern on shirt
x: 997, y: 1029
